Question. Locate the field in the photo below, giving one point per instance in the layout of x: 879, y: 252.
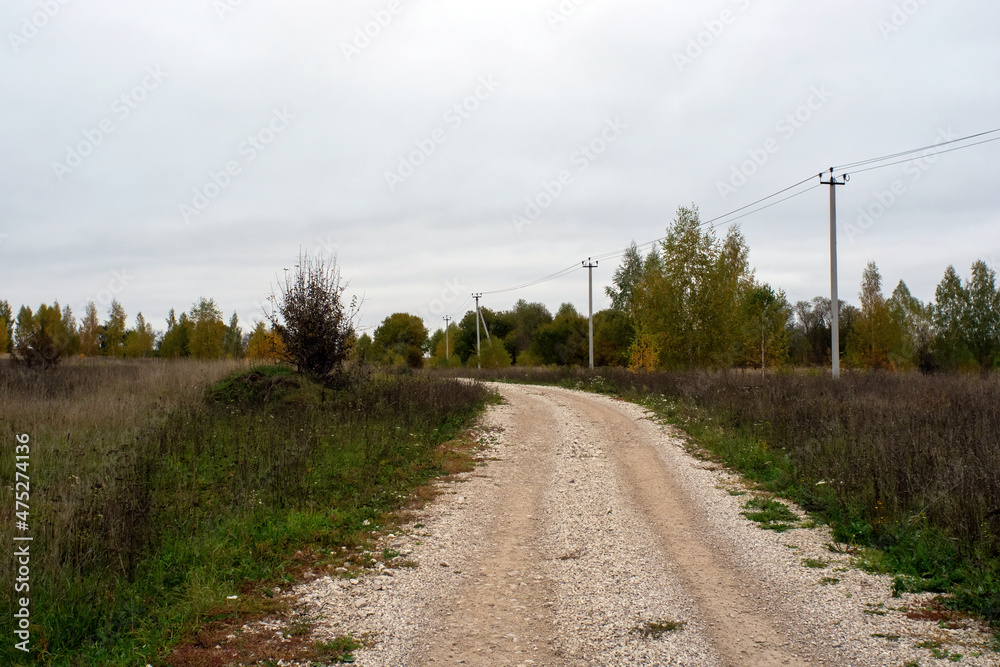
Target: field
x: 905, y: 468
x: 161, y: 490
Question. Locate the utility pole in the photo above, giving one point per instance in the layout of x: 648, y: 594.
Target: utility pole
x: 479, y: 356
x: 590, y: 290
x: 447, y: 349
x: 834, y: 298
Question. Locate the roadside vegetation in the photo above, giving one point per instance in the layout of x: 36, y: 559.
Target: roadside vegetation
x: 160, y: 490
x: 904, y: 468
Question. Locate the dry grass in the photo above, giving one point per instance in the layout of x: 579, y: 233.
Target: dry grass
x: 84, y: 418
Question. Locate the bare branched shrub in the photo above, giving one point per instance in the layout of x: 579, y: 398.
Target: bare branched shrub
x: 309, y: 315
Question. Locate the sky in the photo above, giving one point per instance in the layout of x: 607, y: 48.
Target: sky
x: 160, y: 152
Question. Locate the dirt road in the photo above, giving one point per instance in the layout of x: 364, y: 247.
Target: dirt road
x: 595, y: 538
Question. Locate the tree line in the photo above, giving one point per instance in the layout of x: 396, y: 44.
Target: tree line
x: 691, y: 302
x: 43, y: 336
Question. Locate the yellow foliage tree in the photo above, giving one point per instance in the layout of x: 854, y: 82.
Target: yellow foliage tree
x: 264, y: 344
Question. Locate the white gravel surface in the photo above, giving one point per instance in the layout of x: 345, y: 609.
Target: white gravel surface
x: 549, y: 554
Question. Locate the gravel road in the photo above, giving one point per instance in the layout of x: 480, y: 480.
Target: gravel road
x: 592, y: 537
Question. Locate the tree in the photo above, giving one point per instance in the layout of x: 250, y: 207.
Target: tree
x: 113, y: 335
x: 400, y: 340
x: 614, y: 332
x: 232, y: 339
x: 524, y: 322
x: 951, y: 319
x: 362, y: 349
x: 90, y: 331
x: 310, y: 318
x: 7, y: 324
x: 69, y: 333
x: 5, y: 337
x: 983, y: 333
x: 33, y: 337
x: 499, y: 324
x: 765, y: 314
x: 564, y: 340
x: 176, y: 341
x: 139, y: 342
x: 207, y: 331
x: 873, y: 334
x: 493, y: 354
x: 913, y: 328
x: 627, y: 277
x: 687, y: 302
x: 264, y: 345
x: 443, y: 348
x: 811, y: 332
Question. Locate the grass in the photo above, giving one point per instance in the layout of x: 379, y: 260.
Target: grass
x: 769, y: 514
x: 339, y: 650
x: 170, y: 497
x: 904, y: 468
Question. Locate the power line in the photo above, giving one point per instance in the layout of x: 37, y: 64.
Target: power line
x: 618, y: 253
x: 956, y: 148
x: 915, y: 150
x: 783, y: 199
x: 804, y: 180
x: 551, y: 276
x: 728, y: 219
x: 464, y: 304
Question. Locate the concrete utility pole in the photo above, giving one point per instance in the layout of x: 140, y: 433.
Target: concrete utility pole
x: 590, y: 290
x: 447, y: 351
x: 479, y: 357
x: 834, y: 298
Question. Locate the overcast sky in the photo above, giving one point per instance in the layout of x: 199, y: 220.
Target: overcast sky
x: 162, y: 151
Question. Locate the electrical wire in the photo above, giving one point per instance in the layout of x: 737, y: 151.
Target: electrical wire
x: 728, y: 219
x: 551, y: 276
x: 619, y: 253
x: 956, y: 148
x: 793, y: 196
x: 913, y: 150
x: 459, y: 309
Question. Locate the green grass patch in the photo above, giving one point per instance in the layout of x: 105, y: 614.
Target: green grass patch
x: 341, y: 649
x: 769, y: 514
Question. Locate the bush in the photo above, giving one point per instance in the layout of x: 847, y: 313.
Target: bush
x: 310, y: 318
